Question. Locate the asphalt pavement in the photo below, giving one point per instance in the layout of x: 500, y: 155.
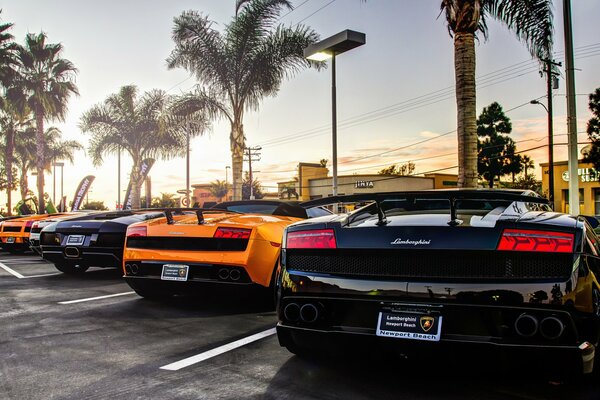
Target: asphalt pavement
x: 91, y: 337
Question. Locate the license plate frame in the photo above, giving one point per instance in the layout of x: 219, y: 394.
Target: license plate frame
x: 175, y: 272
x: 75, y: 240
x: 410, y: 325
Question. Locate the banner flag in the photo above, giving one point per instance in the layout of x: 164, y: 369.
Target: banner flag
x: 81, y: 191
x: 144, y: 169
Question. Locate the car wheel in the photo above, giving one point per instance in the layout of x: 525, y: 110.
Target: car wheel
x: 72, y: 269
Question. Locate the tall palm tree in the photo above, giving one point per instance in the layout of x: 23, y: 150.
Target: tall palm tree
x: 237, y: 68
x: 26, y: 153
x: 219, y: 189
x: 531, y: 21
x: 12, y: 124
x: 8, y: 65
x: 44, y: 84
x: 140, y: 125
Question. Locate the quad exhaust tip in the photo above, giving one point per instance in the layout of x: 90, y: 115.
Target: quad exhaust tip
x: 307, y: 313
x: 551, y: 328
x: 526, y: 325
x: 291, y: 312
x: 224, y: 274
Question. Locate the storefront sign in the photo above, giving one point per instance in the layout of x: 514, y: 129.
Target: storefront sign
x: 363, y: 185
x: 585, y: 175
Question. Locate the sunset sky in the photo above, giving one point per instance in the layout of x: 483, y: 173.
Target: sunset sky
x: 395, y: 94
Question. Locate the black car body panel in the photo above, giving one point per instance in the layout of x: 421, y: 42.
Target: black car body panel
x: 87, y: 241
x: 443, y: 266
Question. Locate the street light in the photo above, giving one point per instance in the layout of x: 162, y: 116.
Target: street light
x: 61, y: 165
x: 550, y: 149
x: 330, y: 48
x: 226, y: 183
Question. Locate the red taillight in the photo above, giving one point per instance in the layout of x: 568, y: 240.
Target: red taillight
x: 35, y: 225
x: 526, y: 240
x: 233, y: 233
x: 28, y: 224
x: 317, y: 239
x: 137, y: 231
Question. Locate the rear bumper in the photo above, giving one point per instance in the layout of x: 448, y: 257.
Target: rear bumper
x: 190, y: 287
x: 556, y: 359
x: 109, y: 257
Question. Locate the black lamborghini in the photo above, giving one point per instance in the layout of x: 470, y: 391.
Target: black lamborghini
x: 491, y: 273
x: 94, y: 240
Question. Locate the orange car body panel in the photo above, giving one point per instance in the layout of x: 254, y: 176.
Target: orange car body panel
x: 259, y: 259
x: 17, y: 227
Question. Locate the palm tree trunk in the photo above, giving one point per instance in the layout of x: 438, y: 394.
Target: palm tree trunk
x: 464, y: 65
x: 39, y: 136
x: 10, y: 143
x: 136, y: 185
x: 23, y: 184
x: 237, y: 159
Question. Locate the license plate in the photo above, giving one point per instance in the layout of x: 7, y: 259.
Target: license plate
x: 75, y: 240
x: 173, y: 272
x: 10, y: 240
x: 408, y: 325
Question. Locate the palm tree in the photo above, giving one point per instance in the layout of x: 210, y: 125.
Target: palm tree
x: 12, y: 124
x: 526, y: 163
x: 8, y: 59
x: 26, y: 153
x: 166, y: 200
x: 531, y: 20
x: 219, y: 189
x: 236, y: 69
x: 44, y: 83
x: 140, y: 125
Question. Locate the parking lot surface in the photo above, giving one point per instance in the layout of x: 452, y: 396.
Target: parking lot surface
x: 91, y: 337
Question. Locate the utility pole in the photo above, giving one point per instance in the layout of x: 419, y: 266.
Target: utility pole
x: 251, y: 154
x: 550, y: 76
x: 571, y: 112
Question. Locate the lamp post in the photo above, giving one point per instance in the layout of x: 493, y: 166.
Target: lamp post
x: 550, y: 149
x: 227, y: 183
x: 61, y: 165
x: 321, y: 51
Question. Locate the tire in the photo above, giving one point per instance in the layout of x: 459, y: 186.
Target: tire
x: 72, y: 269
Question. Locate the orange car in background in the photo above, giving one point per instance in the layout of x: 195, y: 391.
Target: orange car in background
x: 235, y: 244
x: 14, y: 232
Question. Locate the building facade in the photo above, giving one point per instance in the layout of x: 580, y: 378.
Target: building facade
x: 589, y: 187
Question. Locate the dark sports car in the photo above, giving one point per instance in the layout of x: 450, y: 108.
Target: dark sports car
x: 437, y: 273
x: 94, y: 240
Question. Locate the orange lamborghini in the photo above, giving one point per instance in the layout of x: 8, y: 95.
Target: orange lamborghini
x: 235, y: 244
x: 14, y: 232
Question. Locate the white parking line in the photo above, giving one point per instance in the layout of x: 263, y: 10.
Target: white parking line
x: 95, y: 298
x: 42, y: 275
x: 11, y: 271
x: 186, y: 362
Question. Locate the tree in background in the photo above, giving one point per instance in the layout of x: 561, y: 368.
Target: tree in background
x: 219, y: 189
x: 166, y: 200
x: 94, y: 205
x: 140, y: 125
x: 593, y: 130
x: 256, y: 188
x: 530, y: 20
x: 44, y: 83
x: 399, y: 169
x: 8, y: 120
x: 240, y: 66
x: 496, y: 151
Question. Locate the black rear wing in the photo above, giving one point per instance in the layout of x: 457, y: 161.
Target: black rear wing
x: 451, y: 195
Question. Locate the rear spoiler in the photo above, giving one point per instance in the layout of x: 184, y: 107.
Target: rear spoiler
x: 169, y: 212
x: 451, y: 195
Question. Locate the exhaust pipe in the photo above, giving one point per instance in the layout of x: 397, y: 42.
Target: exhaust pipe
x: 309, y: 313
x: 128, y: 269
x: 235, y: 275
x: 291, y: 312
x: 72, y: 252
x: 551, y: 328
x: 135, y: 269
x: 223, y: 274
x: 526, y: 325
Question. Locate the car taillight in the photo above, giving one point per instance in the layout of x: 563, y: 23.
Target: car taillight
x: 317, y: 239
x: 233, y: 233
x: 35, y: 225
x: 137, y: 231
x: 527, y: 240
x: 28, y: 224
